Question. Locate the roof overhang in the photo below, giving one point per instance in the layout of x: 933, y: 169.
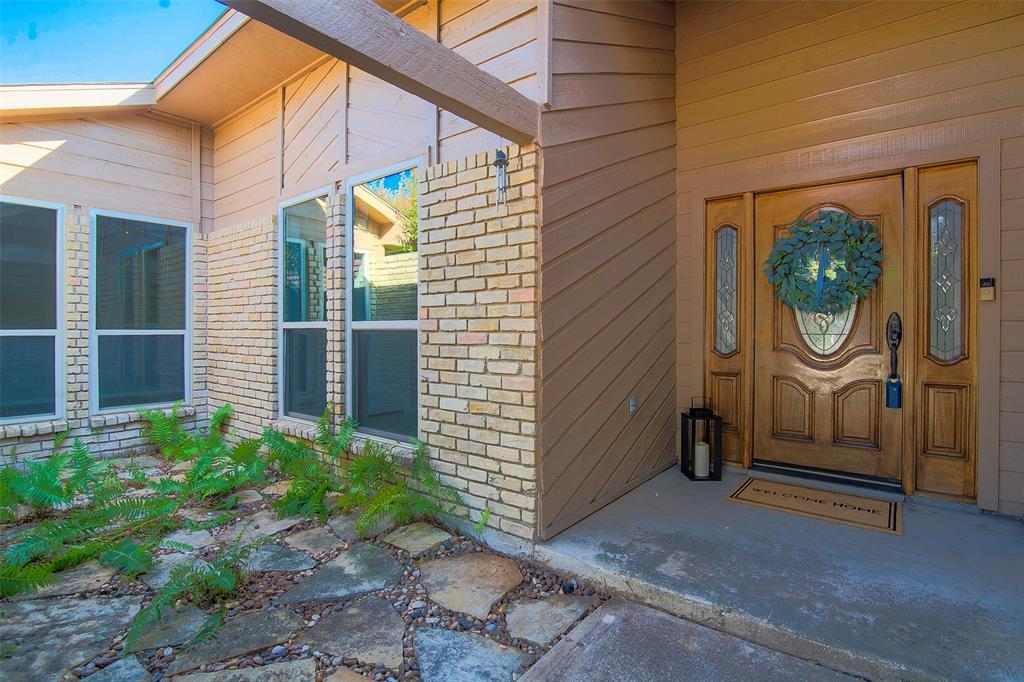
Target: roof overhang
x: 22, y: 101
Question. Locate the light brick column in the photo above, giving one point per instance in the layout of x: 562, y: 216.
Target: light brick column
x: 242, y: 321
x: 478, y: 334
x: 336, y: 283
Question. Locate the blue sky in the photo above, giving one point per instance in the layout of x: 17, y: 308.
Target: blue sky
x: 62, y: 41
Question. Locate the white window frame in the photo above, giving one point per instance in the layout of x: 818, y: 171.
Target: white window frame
x: 94, y: 333
x: 351, y: 325
x: 281, y: 324
x: 60, y: 332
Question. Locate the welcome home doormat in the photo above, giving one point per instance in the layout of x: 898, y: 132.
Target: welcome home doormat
x: 853, y: 510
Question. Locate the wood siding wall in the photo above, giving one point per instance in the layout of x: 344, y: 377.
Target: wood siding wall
x: 608, y: 256
x: 132, y: 163
x: 772, y: 94
x: 333, y: 120
x: 1011, y: 395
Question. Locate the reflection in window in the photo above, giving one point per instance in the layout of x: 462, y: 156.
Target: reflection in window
x: 383, y: 308
x: 945, y: 234
x: 304, y: 298
x: 725, y: 290
x: 140, y: 288
x: 28, y: 310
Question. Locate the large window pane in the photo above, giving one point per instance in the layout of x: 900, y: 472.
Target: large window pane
x: 305, y: 371
x: 28, y: 267
x: 305, y: 261
x: 384, y: 391
x: 385, y: 262
x: 140, y: 274
x: 27, y: 376
x: 140, y: 369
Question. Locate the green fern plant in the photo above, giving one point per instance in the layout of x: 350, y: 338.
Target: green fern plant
x: 376, y: 487
x: 314, y: 475
x: 214, y: 582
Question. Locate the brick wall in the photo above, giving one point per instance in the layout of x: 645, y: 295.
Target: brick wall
x: 118, y: 433
x: 243, y: 323
x: 478, y: 341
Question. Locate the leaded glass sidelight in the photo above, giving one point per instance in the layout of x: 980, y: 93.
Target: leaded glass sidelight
x: 725, y: 290
x: 945, y: 273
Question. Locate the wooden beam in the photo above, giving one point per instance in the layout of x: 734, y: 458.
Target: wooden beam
x: 368, y: 37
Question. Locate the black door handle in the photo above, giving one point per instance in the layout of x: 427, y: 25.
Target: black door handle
x: 894, y: 386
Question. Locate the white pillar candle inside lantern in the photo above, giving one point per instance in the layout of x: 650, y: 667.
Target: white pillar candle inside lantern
x: 701, y: 460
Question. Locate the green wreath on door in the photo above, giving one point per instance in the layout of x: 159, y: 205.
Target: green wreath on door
x: 827, y: 264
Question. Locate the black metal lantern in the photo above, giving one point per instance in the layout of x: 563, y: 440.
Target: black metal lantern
x: 701, y: 447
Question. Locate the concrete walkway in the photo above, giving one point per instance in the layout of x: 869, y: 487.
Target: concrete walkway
x: 945, y: 600
x: 626, y: 641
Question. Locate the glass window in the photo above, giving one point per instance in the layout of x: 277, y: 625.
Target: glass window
x: 29, y: 295
x: 304, y: 302
x: 141, y: 280
x: 946, y: 254
x: 383, y: 308
x: 725, y: 290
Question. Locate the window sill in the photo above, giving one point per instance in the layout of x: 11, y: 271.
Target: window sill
x: 98, y: 421
x: 404, y: 451
x: 41, y: 427
x: 296, y: 428
x: 303, y: 430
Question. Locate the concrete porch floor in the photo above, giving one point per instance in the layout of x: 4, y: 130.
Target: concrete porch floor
x: 943, y: 601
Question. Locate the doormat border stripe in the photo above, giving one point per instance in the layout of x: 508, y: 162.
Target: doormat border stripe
x: 895, y: 520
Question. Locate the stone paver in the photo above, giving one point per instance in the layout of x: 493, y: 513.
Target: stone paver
x: 174, y: 627
x: 358, y: 570
x: 541, y: 620
x: 345, y: 675
x: 11, y: 534
x: 447, y: 656
x: 196, y: 514
x: 82, y: 578
x: 197, y: 539
x: 470, y: 583
x: 344, y: 526
x: 182, y: 467
x: 302, y: 670
x: 55, y: 635
x: 622, y: 640
x: 417, y: 538
x: 259, y: 525
x: 247, y: 496
x: 243, y: 635
x: 314, y: 540
x: 277, y: 558
x: 160, y: 574
x: 369, y: 631
x: 277, y: 489
x: 124, y: 670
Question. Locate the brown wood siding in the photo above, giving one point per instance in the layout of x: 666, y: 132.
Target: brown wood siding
x: 133, y: 163
x: 499, y: 36
x: 1011, y: 394
x: 333, y: 119
x: 608, y: 256
x: 782, y: 93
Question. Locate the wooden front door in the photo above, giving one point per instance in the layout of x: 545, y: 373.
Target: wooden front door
x: 819, y: 382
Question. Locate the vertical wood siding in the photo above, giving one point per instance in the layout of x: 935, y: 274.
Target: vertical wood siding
x: 119, y: 162
x: 608, y: 252
x: 1011, y: 395
x: 499, y: 36
x: 289, y: 143
x: 781, y: 93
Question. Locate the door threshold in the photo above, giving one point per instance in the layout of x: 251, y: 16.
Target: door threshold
x: 790, y: 471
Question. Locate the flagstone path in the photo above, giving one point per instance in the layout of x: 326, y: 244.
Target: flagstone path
x: 416, y: 604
